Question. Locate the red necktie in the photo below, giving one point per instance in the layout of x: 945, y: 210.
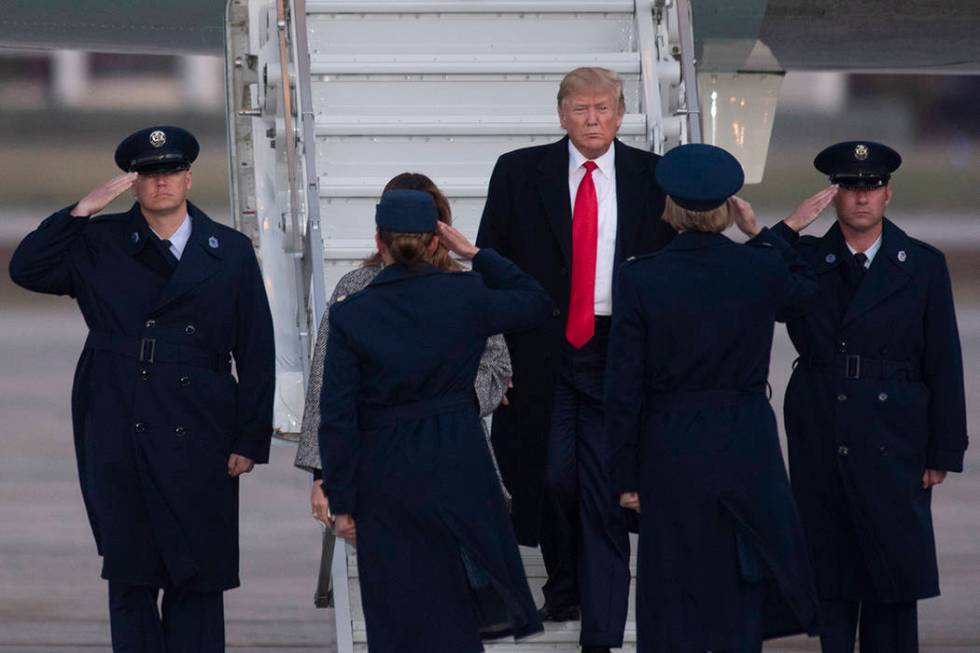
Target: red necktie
x: 585, y: 236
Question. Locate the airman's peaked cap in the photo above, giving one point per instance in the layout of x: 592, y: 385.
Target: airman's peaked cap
x: 157, y: 149
x: 858, y: 164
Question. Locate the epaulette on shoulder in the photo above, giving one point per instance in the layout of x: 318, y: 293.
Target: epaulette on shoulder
x: 932, y: 249
x: 345, y: 299
x: 108, y: 218
x: 641, y: 257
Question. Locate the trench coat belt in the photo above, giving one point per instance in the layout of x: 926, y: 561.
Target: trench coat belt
x: 380, y: 416
x: 697, y: 399
x: 153, y: 350
x: 855, y: 366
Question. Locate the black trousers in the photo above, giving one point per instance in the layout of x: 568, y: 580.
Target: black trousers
x: 189, y: 622
x: 584, y: 536
x: 883, y: 627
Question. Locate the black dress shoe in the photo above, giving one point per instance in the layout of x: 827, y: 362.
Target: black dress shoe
x: 554, y: 613
x: 595, y: 649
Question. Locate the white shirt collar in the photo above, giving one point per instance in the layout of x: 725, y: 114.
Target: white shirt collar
x: 606, y: 163
x: 178, y: 240
x: 870, y: 252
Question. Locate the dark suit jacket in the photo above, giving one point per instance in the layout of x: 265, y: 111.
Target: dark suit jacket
x: 528, y: 219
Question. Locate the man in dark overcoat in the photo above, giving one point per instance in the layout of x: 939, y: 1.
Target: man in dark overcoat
x: 875, y: 410
x: 568, y: 213
x: 162, y: 428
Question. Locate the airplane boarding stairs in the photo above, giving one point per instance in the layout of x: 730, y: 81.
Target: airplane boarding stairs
x: 332, y: 98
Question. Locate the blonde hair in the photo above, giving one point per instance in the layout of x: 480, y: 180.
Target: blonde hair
x: 590, y: 78
x: 712, y: 221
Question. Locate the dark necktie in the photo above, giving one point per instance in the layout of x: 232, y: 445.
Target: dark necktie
x: 857, y: 271
x: 167, y: 254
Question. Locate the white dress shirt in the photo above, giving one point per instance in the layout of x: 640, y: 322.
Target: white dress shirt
x: 604, y: 178
x: 179, y: 238
x: 870, y: 252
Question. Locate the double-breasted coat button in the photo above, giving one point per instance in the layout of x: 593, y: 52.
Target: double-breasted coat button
x: 842, y: 450
x: 180, y: 431
x: 843, y: 346
x: 555, y: 312
x: 842, y: 397
x: 184, y: 381
x: 190, y: 329
x: 140, y: 427
x: 882, y: 396
x: 150, y: 324
x: 883, y: 450
x: 144, y: 374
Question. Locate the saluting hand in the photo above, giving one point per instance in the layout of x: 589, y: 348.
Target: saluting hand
x: 346, y: 528
x: 630, y: 500
x: 744, y: 216
x: 456, y: 241
x: 932, y: 477
x: 804, y: 215
x: 238, y: 465
x: 100, y: 197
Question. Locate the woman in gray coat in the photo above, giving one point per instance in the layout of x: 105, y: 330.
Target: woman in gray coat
x: 492, y: 382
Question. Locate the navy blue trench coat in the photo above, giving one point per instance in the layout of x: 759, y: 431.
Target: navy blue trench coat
x: 155, y: 408
x: 876, y: 398
x: 403, y: 450
x: 721, y: 549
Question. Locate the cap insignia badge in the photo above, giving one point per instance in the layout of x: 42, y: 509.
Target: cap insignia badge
x: 861, y: 152
x: 213, y: 242
x: 158, y: 138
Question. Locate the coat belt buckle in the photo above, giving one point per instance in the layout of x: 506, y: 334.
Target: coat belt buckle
x: 148, y: 348
x: 852, y: 368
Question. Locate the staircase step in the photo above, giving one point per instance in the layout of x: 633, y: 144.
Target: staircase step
x: 461, y: 64
x: 448, y: 125
x: 468, y: 6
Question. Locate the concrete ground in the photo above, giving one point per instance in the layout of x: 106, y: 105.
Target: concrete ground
x: 51, y: 597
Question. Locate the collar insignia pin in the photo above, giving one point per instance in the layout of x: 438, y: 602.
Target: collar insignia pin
x: 902, y: 255
x: 135, y: 237
x: 213, y: 242
x: 830, y: 258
